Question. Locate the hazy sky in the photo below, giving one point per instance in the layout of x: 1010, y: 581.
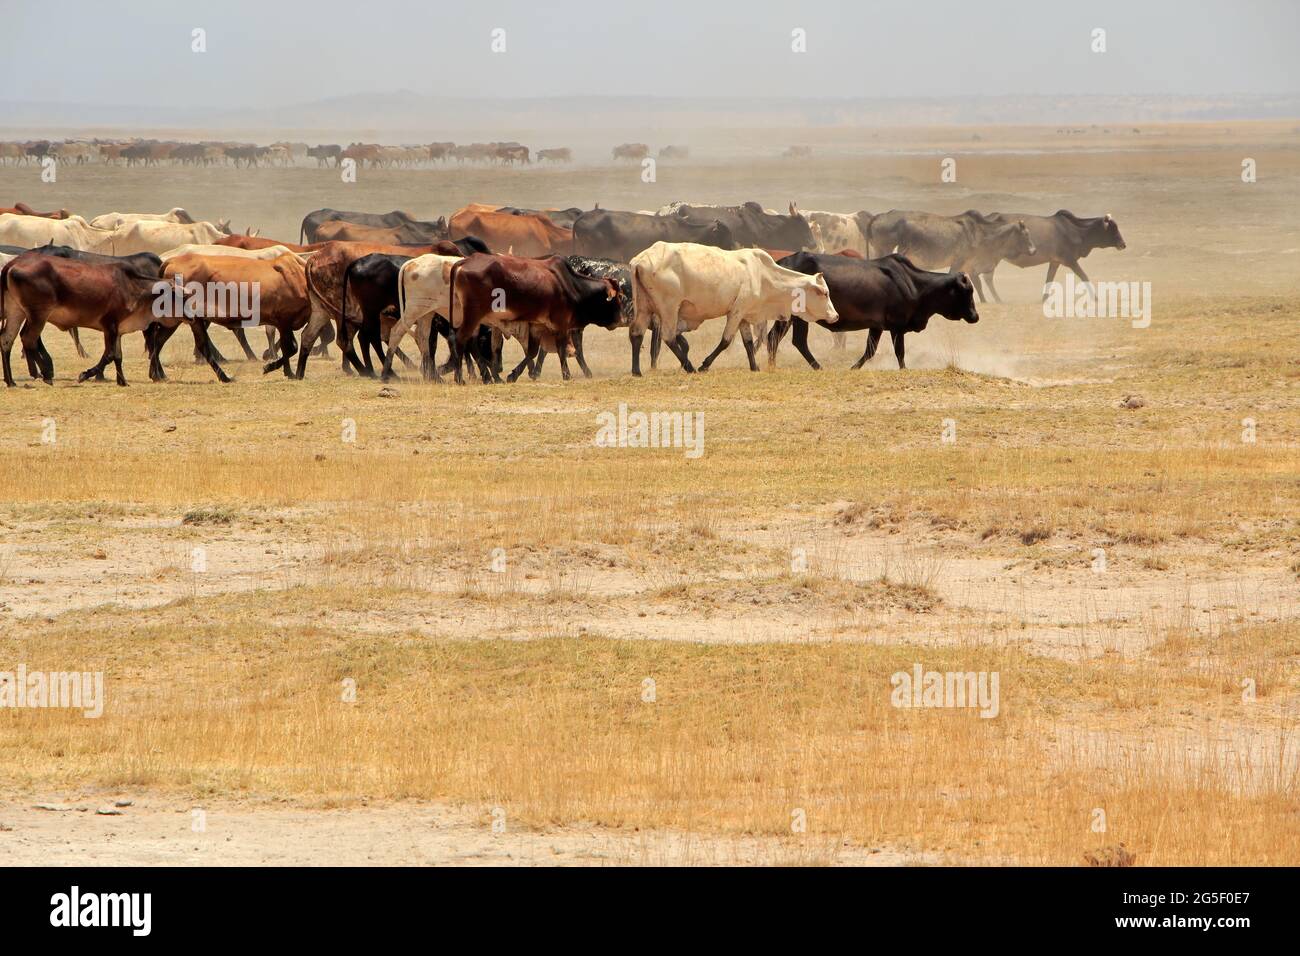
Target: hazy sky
x: 274, y: 52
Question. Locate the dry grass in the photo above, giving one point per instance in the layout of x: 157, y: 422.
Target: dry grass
x: 557, y: 731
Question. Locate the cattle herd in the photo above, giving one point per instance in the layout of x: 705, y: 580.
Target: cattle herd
x: 153, y: 152
x: 487, y: 273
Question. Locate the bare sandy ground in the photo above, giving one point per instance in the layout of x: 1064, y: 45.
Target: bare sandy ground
x: 154, y: 832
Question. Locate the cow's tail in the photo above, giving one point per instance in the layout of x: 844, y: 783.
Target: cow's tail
x: 302, y: 230
x: 343, y: 299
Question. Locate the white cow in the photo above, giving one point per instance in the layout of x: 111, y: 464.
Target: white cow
x: 32, y: 231
x: 681, y: 285
x: 840, y: 231
x: 111, y: 220
x: 270, y: 252
x: 160, y: 237
x: 423, y: 288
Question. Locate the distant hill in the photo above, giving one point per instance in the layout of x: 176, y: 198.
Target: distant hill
x: 416, y: 112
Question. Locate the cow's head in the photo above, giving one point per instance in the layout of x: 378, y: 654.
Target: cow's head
x: 1106, y: 234
x: 817, y: 300
x: 1021, y: 244
x: 609, y: 303
x: 718, y: 233
x: 958, y: 299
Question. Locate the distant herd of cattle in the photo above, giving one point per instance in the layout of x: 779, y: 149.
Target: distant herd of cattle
x: 366, y: 155
x: 490, y: 272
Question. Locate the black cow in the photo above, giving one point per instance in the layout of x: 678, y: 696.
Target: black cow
x: 1059, y: 239
x: 753, y: 226
x: 324, y: 153
x: 430, y: 231
x: 621, y: 235
x: 888, y: 294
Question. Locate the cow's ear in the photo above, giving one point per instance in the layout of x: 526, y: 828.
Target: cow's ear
x: 1106, y: 218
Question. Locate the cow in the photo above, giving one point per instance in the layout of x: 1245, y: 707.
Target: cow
x: 511, y: 153
x: 1059, y: 239
x: 842, y: 230
x: 674, y: 152
x: 559, y: 155
x: 888, y: 294
x: 325, y: 154
x: 561, y: 217
x: 32, y: 231
x: 340, y: 231
x: 433, y: 230
x: 681, y: 285
x: 114, y: 298
x: 632, y: 151
x: 423, y: 301
x: 536, y: 301
x: 953, y: 242
x: 261, y: 242
x: 159, y: 237
x: 752, y: 225
x: 282, y: 302
x: 618, y: 235
x: 111, y: 220
x: 22, y: 209
x: 524, y: 235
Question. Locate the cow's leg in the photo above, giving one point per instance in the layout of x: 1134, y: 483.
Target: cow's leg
x: 993, y: 291
x: 747, y: 337
x: 531, y: 348
x: 287, y: 346
x: 800, y: 340
x: 403, y: 325
x: 562, y: 352
x: 1051, y: 274
x: 117, y: 352
x: 271, y: 347
x: 242, y: 339
x: 679, y: 347
x: 1078, y: 270
x: 774, y: 337
x: 76, y: 340
x: 873, y: 340
x: 97, y: 370
x: 38, y: 361
x: 326, y: 337
x: 728, y: 334
x: 538, y: 363
x: 315, y: 325
x: 155, y: 342
x: 636, y: 341
x: 898, y: 348
x: 577, y: 349
x: 205, y: 346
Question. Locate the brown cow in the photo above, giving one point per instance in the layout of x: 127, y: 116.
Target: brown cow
x: 537, y: 301
x: 281, y: 299
x: 339, y: 230
x: 22, y: 209
x: 111, y: 297
x: 525, y: 235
